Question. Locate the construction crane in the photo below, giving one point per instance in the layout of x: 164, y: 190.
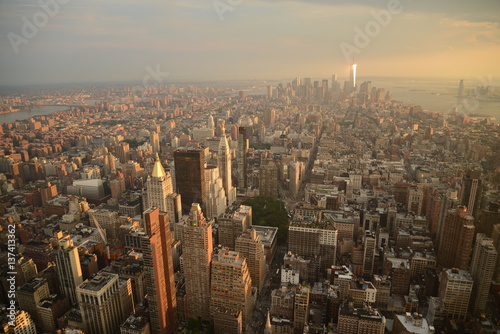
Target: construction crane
x: 85, y: 242
x: 103, y: 235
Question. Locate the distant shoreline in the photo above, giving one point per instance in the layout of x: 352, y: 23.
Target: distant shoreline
x: 22, y: 115
x: 9, y: 112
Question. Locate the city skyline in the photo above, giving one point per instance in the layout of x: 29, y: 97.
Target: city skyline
x: 349, y: 206
x: 237, y: 166
x: 220, y: 40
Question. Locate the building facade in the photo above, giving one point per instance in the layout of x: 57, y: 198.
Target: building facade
x: 69, y: 271
x: 252, y: 249
x: 231, y: 285
x: 195, y: 263
x: 483, y: 263
x: 105, y: 302
x: 455, y: 290
x: 190, y: 177
x: 159, y: 272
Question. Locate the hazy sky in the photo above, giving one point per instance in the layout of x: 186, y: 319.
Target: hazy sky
x: 114, y: 40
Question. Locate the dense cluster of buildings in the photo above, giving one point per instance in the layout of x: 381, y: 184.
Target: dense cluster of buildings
x: 128, y: 215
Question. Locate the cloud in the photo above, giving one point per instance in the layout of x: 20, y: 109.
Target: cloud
x: 118, y: 38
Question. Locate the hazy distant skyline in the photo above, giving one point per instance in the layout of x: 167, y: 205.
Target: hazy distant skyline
x: 96, y: 41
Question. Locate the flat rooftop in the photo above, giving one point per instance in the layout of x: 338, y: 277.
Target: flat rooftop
x: 98, y: 282
x: 267, y: 234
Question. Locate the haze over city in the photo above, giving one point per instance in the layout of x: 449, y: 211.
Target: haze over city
x: 249, y: 167
x: 96, y: 41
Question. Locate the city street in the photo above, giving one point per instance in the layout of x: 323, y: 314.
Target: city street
x: 272, y: 281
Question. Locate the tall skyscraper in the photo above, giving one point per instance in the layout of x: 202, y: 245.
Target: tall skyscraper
x: 224, y: 164
x: 369, y: 246
x: 268, y: 179
x: 105, y: 302
x: 252, y: 249
x: 352, y: 76
x: 69, y: 271
x: 30, y: 294
x: 488, y: 217
x: 154, y: 140
x: 210, y: 122
x: 270, y: 92
x: 415, y: 200
x: 295, y: 172
x: 495, y: 236
x: 122, y: 152
x: 455, y: 289
x: 231, y: 285
x: 471, y: 191
x: 241, y: 156
x: 196, y: 258
x: 232, y: 225
x: 301, y: 309
x: 335, y: 83
x: 306, y: 238
x: 450, y: 201
x: 110, y: 167
x: 216, y: 196
x: 324, y: 87
x: 482, y: 268
x: 190, y: 177
x: 269, y: 117
x: 159, y: 192
x: 25, y: 268
x: 159, y: 272
x: 461, y: 89
x: 456, y: 239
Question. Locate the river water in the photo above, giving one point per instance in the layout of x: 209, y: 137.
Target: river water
x: 25, y: 114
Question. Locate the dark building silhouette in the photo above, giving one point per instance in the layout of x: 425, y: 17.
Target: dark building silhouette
x: 455, y: 245
x: 190, y: 177
x: 471, y: 191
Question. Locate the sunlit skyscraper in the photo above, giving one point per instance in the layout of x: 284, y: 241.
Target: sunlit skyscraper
x: 159, y: 192
x: 352, y: 76
x: 224, y: 164
x: 105, y: 301
x: 196, y: 258
x: 154, y: 140
x: 252, y: 249
x: 231, y: 284
x: 159, y: 272
x: 69, y: 271
x: 216, y: 196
